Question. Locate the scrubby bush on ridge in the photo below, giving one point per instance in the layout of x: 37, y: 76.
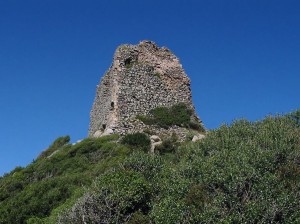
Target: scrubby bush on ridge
x: 33, y: 192
x: 58, y: 143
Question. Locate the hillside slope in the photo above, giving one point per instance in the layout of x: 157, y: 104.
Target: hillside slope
x: 248, y: 172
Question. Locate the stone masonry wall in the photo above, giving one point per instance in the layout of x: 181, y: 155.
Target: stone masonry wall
x: 142, y: 77
x: 102, y: 105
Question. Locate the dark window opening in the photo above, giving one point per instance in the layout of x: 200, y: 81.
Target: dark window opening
x: 127, y: 61
x: 103, y: 126
x: 112, y: 104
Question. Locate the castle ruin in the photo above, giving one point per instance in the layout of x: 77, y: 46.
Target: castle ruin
x: 142, y: 77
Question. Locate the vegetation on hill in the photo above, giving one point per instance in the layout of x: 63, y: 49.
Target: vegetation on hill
x: 248, y: 172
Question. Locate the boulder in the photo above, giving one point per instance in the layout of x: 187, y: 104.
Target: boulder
x: 107, y: 131
x: 198, y: 137
x: 155, y: 138
x: 153, y: 145
x: 98, y: 134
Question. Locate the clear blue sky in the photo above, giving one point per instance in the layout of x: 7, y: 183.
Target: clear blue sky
x: 243, y: 58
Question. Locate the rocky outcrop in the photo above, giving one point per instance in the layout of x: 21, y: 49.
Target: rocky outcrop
x: 155, y: 141
x: 141, y: 77
x: 198, y: 137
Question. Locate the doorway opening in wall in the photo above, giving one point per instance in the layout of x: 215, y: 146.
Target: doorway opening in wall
x: 103, y: 126
x: 112, y: 105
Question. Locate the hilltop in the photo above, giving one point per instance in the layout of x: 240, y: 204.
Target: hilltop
x: 149, y: 159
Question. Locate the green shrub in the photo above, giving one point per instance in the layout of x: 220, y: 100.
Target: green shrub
x: 195, y: 126
x: 168, y: 210
x: 197, y: 196
x: 139, y: 218
x: 296, y: 117
x: 113, y: 198
x: 169, y: 145
x: 147, y: 164
x: 34, y: 220
x: 179, y: 114
x: 58, y: 143
x: 149, y: 131
x: 61, y: 141
x: 137, y: 141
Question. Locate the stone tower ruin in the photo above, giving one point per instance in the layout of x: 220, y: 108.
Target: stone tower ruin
x: 141, y: 77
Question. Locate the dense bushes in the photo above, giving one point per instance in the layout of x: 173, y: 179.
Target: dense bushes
x: 33, y: 192
x: 169, y: 145
x: 240, y: 167
x: 165, y: 117
x: 112, y: 199
x: 243, y: 173
x: 137, y: 141
x: 248, y: 172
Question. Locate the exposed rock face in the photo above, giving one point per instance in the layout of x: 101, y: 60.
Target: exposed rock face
x: 141, y: 77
